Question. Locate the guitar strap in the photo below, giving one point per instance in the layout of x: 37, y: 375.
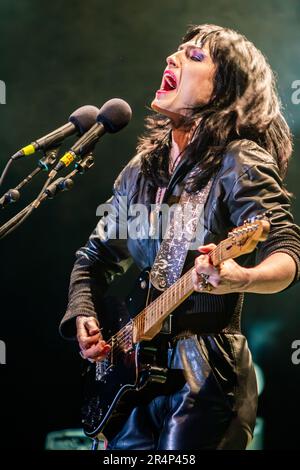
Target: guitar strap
x: 183, y: 230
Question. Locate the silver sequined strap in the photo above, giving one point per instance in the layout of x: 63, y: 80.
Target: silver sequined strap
x: 181, y: 231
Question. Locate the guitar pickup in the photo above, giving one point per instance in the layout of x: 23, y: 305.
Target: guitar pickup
x: 167, y: 326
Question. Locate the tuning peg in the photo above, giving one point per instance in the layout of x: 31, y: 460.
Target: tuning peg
x: 252, y: 219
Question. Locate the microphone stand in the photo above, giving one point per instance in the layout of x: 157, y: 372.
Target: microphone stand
x: 48, y: 192
x: 45, y: 163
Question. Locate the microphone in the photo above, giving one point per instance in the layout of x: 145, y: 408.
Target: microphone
x: 113, y: 116
x: 80, y: 121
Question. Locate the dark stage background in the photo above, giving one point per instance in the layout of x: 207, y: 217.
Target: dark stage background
x: 55, y: 57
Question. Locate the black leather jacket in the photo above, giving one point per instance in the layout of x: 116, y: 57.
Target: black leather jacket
x: 247, y: 184
x: 218, y: 396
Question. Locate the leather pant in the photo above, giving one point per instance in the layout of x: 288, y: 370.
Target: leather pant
x: 213, y: 407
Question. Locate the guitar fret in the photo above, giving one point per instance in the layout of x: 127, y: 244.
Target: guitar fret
x: 165, y: 302
x: 163, y: 305
x: 139, y: 325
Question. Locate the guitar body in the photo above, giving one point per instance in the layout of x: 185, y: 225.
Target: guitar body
x: 136, y: 373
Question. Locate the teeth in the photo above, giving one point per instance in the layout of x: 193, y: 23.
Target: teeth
x: 170, y: 81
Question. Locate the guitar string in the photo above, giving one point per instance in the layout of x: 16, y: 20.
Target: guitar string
x: 125, y: 333
x: 120, y: 339
x: 154, y: 303
x: 125, y: 336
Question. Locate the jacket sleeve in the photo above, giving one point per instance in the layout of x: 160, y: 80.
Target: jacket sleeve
x: 104, y: 257
x: 256, y: 188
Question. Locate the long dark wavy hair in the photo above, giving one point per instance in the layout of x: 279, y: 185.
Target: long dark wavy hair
x: 244, y: 105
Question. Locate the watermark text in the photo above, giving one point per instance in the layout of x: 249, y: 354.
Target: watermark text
x: 295, y: 98
x: 296, y: 353
x: 138, y: 221
x: 2, y: 92
x: 2, y: 352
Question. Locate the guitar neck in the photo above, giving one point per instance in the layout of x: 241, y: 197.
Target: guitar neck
x: 150, y: 319
x: 240, y: 240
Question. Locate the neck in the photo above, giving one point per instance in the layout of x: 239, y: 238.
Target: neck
x: 180, y: 140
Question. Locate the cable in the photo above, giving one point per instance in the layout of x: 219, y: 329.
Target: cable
x: 45, y: 163
x: 24, y: 214
x: 4, y: 172
x: 4, y: 229
x: 85, y: 164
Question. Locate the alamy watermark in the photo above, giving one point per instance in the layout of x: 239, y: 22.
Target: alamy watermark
x: 180, y: 222
x: 2, y: 92
x: 2, y: 352
x: 295, y: 98
x: 296, y: 353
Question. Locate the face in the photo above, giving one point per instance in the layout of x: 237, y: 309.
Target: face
x: 187, y: 81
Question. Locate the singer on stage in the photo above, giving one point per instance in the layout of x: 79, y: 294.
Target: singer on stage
x: 217, y: 126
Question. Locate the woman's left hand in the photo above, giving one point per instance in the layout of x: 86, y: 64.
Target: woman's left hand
x: 226, y: 278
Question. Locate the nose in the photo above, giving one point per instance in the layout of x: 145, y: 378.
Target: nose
x: 172, y: 60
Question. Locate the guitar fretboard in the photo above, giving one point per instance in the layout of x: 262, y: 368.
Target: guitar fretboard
x: 149, y: 321
x: 171, y: 298
x: 161, y: 307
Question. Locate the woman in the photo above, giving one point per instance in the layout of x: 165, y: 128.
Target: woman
x: 218, y: 121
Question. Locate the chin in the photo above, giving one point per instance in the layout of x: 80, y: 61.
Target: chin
x: 163, y: 109
x: 175, y: 117
x: 154, y: 105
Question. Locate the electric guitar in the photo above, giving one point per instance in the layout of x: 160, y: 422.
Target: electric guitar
x: 134, y: 367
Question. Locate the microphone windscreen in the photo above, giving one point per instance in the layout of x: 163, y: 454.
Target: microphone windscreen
x: 84, y: 118
x: 114, y: 115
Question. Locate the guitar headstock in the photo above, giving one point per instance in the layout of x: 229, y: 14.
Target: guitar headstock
x: 243, y: 239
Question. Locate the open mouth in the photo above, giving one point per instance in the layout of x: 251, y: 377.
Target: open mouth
x: 169, y: 82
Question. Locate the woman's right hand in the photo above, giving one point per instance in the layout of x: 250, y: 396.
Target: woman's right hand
x: 89, y: 337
